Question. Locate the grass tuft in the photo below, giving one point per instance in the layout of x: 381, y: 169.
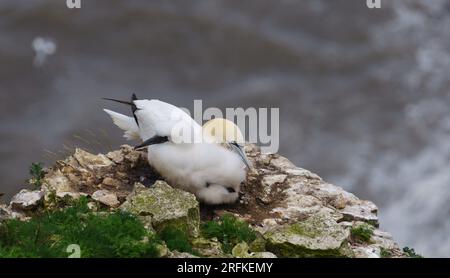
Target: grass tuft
x: 107, y: 235
x: 229, y: 231
x: 385, y: 253
x: 37, y: 174
x: 362, y: 233
x: 176, y: 239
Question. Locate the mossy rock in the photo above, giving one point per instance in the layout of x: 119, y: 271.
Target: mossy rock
x: 210, y: 248
x: 164, y: 206
x: 242, y: 250
x: 318, y: 236
x: 258, y: 245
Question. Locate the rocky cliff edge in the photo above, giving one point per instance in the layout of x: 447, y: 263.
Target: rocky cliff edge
x: 293, y: 211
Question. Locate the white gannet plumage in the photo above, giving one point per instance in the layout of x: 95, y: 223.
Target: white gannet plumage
x: 208, y: 170
x: 225, y: 132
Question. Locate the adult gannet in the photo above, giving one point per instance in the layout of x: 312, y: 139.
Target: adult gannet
x: 225, y: 132
x: 179, y: 150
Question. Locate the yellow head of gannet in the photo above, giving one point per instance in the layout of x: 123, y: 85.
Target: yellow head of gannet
x: 223, y: 131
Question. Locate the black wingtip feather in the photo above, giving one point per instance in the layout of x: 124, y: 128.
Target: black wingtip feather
x: 119, y: 101
x: 134, y: 108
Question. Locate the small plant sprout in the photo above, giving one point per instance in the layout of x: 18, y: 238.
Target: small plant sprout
x: 411, y: 253
x: 362, y: 233
x: 37, y: 174
x: 229, y: 231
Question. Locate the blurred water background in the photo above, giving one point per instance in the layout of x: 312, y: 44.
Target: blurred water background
x: 363, y: 94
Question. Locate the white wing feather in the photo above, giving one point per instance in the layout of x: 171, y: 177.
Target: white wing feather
x: 125, y: 123
x: 159, y: 118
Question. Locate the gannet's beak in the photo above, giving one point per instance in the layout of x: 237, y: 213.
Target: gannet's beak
x: 238, y: 149
x: 152, y: 141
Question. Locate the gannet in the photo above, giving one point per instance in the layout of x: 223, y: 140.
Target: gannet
x: 225, y: 132
x: 181, y: 152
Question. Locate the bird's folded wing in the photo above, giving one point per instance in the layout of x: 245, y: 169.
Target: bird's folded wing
x: 125, y: 123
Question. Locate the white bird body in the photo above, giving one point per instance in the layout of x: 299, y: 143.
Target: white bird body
x: 204, y: 169
x: 208, y: 170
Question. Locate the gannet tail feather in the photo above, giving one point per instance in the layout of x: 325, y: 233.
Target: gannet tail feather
x: 127, y: 124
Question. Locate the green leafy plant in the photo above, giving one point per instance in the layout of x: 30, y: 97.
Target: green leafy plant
x: 362, y: 233
x: 229, y: 231
x: 411, y: 253
x: 37, y: 174
x: 176, y: 239
x: 385, y: 253
x: 99, y: 235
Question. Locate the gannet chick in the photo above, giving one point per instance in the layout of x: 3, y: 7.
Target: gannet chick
x: 178, y: 151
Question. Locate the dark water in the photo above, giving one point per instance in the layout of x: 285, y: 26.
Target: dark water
x: 363, y: 94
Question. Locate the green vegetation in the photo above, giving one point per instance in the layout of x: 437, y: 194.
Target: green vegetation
x: 37, y: 174
x: 176, y: 239
x: 229, y: 231
x: 99, y: 235
x: 385, y: 253
x: 411, y: 253
x: 362, y: 233
x: 52, y: 202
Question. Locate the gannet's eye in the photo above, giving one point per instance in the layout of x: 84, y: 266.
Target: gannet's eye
x: 231, y: 190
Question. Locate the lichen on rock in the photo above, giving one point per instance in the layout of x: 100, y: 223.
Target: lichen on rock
x: 210, y: 248
x: 165, y: 206
x: 318, y: 236
x: 242, y: 250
